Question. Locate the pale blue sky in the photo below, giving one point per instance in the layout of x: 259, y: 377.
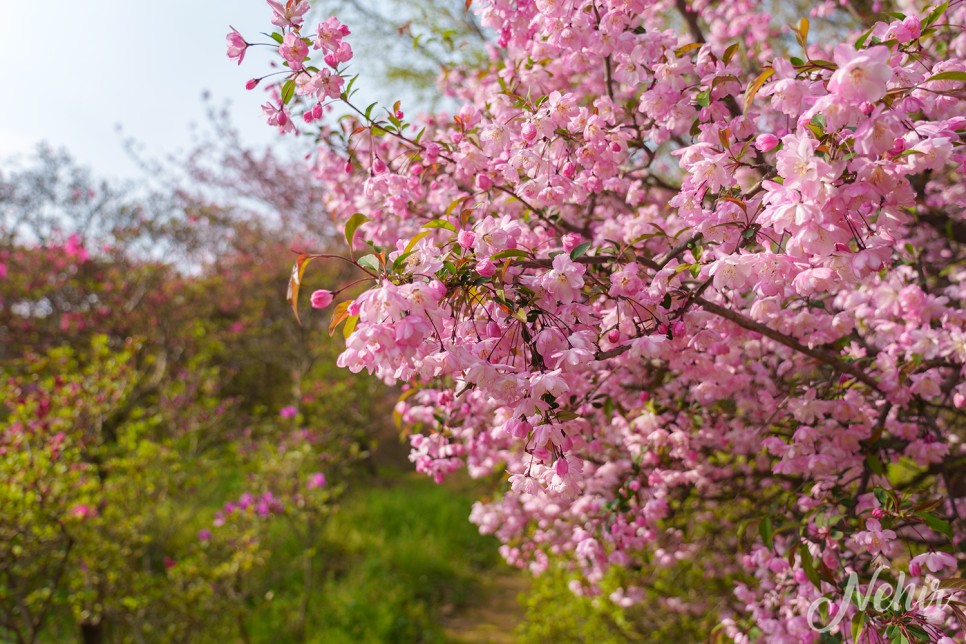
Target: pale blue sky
x: 74, y: 69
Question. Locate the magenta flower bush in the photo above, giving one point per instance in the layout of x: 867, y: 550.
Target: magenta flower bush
x: 699, y: 299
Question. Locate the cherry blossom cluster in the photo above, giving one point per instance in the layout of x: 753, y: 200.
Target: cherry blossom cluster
x: 668, y: 278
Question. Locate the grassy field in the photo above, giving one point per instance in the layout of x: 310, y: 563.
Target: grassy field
x: 398, y: 562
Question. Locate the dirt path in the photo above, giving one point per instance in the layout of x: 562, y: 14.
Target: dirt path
x: 493, y: 619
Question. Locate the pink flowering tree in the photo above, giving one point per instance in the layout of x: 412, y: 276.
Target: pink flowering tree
x: 691, y: 278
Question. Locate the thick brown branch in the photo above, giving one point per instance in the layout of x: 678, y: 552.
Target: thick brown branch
x: 691, y: 18
x: 821, y: 355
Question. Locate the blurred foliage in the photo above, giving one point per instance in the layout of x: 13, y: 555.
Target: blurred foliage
x: 409, y: 44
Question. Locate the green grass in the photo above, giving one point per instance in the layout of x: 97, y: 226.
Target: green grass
x: 390, y: 563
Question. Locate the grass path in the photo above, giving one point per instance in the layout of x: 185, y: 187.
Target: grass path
x: 494, y: 618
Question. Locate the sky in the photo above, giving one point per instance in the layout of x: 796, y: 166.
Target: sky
x: 75, y: 70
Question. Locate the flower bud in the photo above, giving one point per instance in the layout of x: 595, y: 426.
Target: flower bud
x: 486, y: 268
x: 529, y: 132
x: 321, y: 299
x: 465, y: 238
x: 571, y: 241
x: 766, y: 142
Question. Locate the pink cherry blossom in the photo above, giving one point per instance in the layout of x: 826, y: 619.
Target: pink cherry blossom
x: 236, y: 46
x: 862, y: 74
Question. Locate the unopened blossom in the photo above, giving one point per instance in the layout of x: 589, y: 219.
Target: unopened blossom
x: 322, y: 298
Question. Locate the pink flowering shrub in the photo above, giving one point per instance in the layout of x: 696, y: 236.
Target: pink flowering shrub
x: 700, y: 300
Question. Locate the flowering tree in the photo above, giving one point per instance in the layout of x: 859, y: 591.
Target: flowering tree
x: 691, y: 278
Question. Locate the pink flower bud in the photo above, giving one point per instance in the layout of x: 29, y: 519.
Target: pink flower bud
x: 898, y: 147
x: 400, y: 114
x: 529, y: 132
x: 465, y: 238
x: 678, y: 328
x: 486, y: 268
x: 483, y: 181
x: 437, y: 290
x: 252, y: 83
x: 561, y: 467
x: 378, y: 166
x: 571, y: 241
x: 317, y: 111
x: 613, y: 335
x: 322, y: 298
x: 878, y: 513
x: 766, y: 142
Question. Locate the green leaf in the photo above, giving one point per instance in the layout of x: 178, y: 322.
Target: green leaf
x: 579, y: 250
x: 729, y: 53
x: 288, y: 91
x: 955, y: 583
x: 415, y: 240
x: 953, y: 76
x: 399, y: 261
x: 858, y: 624
x: 352, y: 226
x: 369, y: 110
x: 861, y: 40
x: 936, y: 523
x: 369, y: 261
x: 766, y: 531
x: 440, y: 223
x: 680, y: 51
x: 935, y: 14
x: 809, y: 567
x: 510, y: 252
x: 350, y: 326
x: 277, y: 38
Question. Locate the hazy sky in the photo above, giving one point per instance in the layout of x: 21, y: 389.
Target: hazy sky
x: 72, y: 70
